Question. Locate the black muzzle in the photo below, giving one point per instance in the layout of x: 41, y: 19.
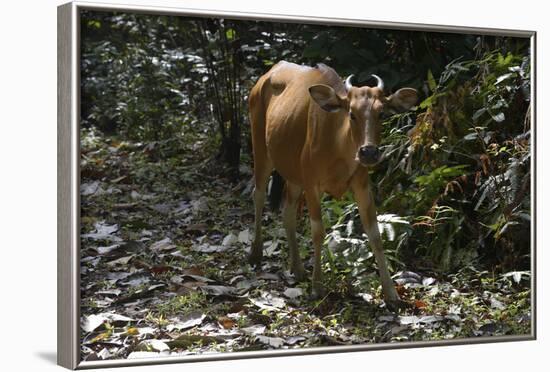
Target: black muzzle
x: 369, y: 155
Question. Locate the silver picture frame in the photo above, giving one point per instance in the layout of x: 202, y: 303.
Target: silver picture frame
x: 68, y: 181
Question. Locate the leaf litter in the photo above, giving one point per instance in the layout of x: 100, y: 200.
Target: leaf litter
x: 164, y: 272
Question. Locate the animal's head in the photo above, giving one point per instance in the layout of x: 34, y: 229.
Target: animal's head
x: 364, y: 107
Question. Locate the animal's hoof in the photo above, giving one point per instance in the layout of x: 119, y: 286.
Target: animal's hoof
x: 255, y: 257
x: 255, y: 260
x: 397, y: 304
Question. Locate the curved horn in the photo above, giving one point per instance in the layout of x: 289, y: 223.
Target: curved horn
x: 348, y: 82
x: 380, y: 82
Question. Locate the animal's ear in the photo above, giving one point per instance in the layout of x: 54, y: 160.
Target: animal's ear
x: 326, y: 97
x: 402, y: 100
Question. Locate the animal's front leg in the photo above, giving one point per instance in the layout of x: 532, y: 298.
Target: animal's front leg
x: 367, y: 211
x: 317, y: 236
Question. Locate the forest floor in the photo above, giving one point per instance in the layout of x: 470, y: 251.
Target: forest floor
x: 164, y: 244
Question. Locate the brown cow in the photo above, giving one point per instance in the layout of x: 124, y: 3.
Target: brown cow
x: 320, y: 134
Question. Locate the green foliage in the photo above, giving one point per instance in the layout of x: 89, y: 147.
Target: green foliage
x: 462, y: 172
x: 182, y: 304
x: 348, y: 255
x: 458, y: 169
x: 432, y: 184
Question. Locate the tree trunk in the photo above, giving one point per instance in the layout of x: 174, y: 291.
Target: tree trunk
x: 230, y: 150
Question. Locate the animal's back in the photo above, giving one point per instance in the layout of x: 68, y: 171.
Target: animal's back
x: 282, y: 97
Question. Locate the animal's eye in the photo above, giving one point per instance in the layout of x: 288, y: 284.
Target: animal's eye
x: 352, y: 116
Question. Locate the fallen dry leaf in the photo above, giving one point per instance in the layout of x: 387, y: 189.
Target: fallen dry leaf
x: 226, y: 322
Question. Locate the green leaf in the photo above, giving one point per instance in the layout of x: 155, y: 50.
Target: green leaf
x: 94, y: 23
x: 430, y: 101
x: 501, y: 78
x: 431, y: 81
x: 471, y: 137
x: 499, y: 118
x: 478, y: 113
x: 230, y: 34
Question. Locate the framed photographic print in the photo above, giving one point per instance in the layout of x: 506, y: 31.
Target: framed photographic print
x: 236, y: 185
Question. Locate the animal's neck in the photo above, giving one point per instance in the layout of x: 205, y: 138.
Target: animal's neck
x: 334, y: 140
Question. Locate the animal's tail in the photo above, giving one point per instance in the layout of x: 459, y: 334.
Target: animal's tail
x: 276, y: 188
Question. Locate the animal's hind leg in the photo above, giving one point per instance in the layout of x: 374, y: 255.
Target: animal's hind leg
x: 262, y: 170
x: 317, y: 236
x: 293, y: 193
